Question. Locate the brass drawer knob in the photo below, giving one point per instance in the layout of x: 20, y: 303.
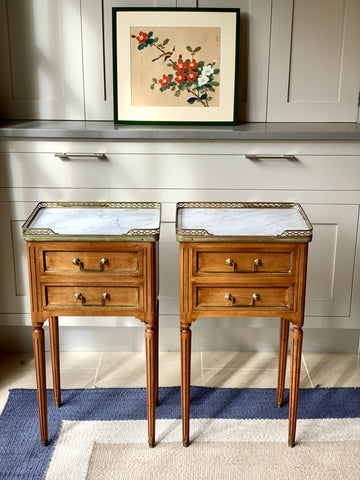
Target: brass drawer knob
x: 256, y: 263
x: 255, y: 297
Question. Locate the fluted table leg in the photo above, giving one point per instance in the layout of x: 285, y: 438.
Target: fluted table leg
x: 185, y: 341
x: 296, y: 348
x: 40, y: 369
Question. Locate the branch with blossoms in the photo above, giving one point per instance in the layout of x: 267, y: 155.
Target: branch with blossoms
x: 195, y: 78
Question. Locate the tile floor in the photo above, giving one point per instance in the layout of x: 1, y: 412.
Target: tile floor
x: 212, y: 369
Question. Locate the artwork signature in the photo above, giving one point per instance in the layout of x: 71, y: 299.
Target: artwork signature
x: 187, y: 76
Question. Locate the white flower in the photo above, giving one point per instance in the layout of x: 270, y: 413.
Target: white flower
x: 202, y: 80
x: 208, y: 70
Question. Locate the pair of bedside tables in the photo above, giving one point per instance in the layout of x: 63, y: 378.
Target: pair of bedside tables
x: 100, y: 259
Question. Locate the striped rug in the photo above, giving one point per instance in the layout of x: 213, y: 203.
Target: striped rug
x: 235, y: 433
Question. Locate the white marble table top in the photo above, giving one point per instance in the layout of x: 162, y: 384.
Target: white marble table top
x: 242, y: 221
x: 93, y: 221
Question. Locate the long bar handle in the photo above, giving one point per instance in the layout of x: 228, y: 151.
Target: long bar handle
x: 260, y: 156
x: 68, y: 155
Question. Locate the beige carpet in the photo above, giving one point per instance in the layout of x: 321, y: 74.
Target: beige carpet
x: 227, y: 460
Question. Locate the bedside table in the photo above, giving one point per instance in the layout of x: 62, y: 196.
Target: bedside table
x: 243, y: 260
x: 93, y: 259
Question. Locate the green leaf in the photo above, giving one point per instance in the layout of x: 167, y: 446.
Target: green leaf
x: 166, y: 41
x: 216, y: 71
x: 169, y: 65
x: 150, y: 34
x: 215, y: 84
x: 152, y: 86
x: 197, y: 49
x: 191, y: 100
x: 189, y: 49
x: 209, y: 98
x: 204, y: 96
x: 154, y: 80
x: 156, y: 39
x: 177, y: 93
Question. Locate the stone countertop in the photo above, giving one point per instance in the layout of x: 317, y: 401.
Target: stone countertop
x: 107, y: 130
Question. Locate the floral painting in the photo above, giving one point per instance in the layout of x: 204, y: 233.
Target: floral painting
x: 175, y: 66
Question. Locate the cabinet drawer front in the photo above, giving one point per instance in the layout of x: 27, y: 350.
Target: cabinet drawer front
x: 231, y: 297
x: 84, y: 297
x: 238, y: 262
x: 173, y: 170
x: 98, y: 261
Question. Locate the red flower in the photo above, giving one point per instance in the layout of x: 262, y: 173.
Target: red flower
x: 142, y: 37
x: 165, y: 80
x: 180, y: 78
x: 192, y: 64
x: 180, y: 66
x: 191, y: 77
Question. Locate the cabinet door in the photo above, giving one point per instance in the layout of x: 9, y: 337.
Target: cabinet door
x: 14, y: 292
x: 97, y: 52
x: 331, y: 260
x: 253, y: 54
x: 314, y: 70
x: 41, y: 60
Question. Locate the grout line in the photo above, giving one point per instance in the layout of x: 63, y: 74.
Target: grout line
x: 307, y: 370
x: 97, y: 369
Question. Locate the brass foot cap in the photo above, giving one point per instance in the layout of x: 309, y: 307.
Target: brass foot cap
x: 45, y: 444
x: 291, y: 444
x: 151, y: 444
x: 186, y: 444
x: 57, y: 404
x: 279, y: 404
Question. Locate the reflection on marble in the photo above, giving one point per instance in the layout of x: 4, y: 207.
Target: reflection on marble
x: 96, y: 221
x: 241, y: 221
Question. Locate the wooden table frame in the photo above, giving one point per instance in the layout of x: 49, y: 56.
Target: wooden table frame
x: 142, y: 281
x: 192, y: 280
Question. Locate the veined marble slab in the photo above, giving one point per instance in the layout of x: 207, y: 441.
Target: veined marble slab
x: 242, y: 221
x: 89, y: 221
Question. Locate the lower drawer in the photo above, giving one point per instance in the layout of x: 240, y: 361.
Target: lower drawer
x: 252, y: 297
x: 83, y: 297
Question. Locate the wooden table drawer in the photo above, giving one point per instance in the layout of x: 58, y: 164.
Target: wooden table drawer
x: 231, y: 297
x: 234, y: 262
x: 124, y: 262
x: 85, y: 296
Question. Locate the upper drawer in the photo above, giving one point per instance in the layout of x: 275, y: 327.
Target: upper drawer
x: 179, y: 169
x: 243, y: 262
x: 124, y: 262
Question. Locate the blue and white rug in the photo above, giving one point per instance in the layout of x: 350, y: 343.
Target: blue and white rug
x: 102, y: 433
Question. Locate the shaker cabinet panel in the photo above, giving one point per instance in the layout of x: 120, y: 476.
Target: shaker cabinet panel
x: 41, y: 60
x: 314, y: 61
x: 254, y: 43
x: 97, y: 52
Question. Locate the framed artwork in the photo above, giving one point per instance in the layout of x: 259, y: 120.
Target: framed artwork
x: 175, y: 65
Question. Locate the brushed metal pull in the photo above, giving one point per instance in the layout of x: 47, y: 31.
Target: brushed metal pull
x: 102, y: 262
x: 68, y: 155
x: 257, y: 263
x: 255, y: 297
x: 104, y: 297
x: 260, y: 156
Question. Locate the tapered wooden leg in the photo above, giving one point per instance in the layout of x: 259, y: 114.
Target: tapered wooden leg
x: 39, y: 354
x: 151, y: 378
x: 296, y: 348
x: 55, y: 358
x: 185, y: 343
x: 283, y: 347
